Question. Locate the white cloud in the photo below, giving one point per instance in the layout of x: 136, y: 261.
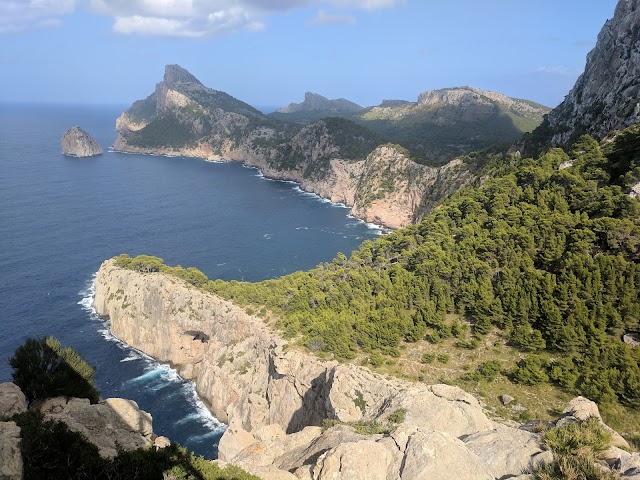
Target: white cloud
x: 17, y: 15
x: 555, y: 69
x: 324, y: 18
x: 182, y: 18
x: 199, y: 18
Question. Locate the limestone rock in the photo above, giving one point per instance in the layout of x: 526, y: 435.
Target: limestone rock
x: 605, y: 96
x: 234, y: 440
x: 438, y: 456
x: 12, y: 400
x: 161, y: 442
x: 78, y: 143
x: 505, y: 450
x: 363, y: 460
x: 506, y: 399
x: 10, y: 456
x: 106, y: 424
x: 580, y: 409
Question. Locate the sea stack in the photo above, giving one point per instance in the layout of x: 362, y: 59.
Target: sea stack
x: 78, y: 143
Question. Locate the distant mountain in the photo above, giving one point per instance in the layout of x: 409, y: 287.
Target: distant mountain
x: 446, y: 123
x: 440, y: 126
x: 314, y: 107
x: 606, y: 97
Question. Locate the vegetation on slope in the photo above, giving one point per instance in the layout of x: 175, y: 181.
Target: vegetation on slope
x: 547, y: 259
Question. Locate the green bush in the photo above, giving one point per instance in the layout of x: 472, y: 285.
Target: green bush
x: 42, y: 368
x: 398, y: 415
x: 578, y: 437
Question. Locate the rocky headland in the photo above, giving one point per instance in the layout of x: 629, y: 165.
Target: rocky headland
x: 351, y: 160
x: 276, y: 397
x: 77, y: 143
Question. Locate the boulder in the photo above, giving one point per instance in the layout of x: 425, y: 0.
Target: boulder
x: 506, y: 399
x: 10, y: 456
x: 106, y: 424
x: 362, y: 460
x: 77, y: 143
x: 438, y: 456
x: 580, y: 409
x: 161, y: 442
x: 12, y: 400
x: 505, y: 450
x: 234, y: 440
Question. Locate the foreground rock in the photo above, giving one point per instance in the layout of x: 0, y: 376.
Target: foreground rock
x: 112, y: 422
x: 78, y: 143
x: 10, y: 456
x: 274, y: 397
x: 12, y: 400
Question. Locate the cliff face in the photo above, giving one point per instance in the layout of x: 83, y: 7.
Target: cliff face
x: 606, y: 97
x: 78, y: 143
x: 273, y: 395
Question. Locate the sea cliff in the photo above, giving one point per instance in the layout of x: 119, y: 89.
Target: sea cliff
x: 275, y: 396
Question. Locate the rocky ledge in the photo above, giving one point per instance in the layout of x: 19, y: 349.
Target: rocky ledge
x: 110, y: 424
x: 275, y: 397
x: 78, y: 143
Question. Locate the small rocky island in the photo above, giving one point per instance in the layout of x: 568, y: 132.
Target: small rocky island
x: 78, y: 143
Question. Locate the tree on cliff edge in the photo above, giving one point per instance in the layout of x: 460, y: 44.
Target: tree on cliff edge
x: 43, y: 368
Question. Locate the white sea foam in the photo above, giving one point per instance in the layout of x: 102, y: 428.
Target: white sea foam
x: 160, y: 374
x: 302, y: 228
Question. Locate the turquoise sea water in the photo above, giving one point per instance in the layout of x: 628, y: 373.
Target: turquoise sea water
x: 61, y: 217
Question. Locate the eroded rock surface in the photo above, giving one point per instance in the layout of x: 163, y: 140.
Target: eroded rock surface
x: 78, y: 143
x: 12, y: 400
x: 10, y: 456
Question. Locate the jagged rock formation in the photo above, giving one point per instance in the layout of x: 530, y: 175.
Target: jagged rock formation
x: 334, y: 158
x: 274, y: 396
x: 78, y: 143
x: 606, y: 97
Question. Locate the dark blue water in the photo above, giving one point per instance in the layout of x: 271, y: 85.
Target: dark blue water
x: 61, y: 217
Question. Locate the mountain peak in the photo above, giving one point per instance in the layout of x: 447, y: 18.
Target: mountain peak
x: 316, y: 102
x: 175, y: 75
x: 605, y: 97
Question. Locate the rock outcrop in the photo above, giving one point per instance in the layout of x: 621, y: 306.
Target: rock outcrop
x: 10, y: 455
x: 606, y: 97
x: 78, y: 143
x: 12, y: 400
x: 274, y: 396
x: 112, y: 422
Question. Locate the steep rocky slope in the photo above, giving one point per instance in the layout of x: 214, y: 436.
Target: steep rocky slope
x: 606, y: 97
x: 333, y: 157
x: 274, y: 396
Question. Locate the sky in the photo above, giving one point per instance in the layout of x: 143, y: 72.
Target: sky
x: 269, y: 52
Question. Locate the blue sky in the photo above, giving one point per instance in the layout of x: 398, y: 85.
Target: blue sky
x: 269, y: 52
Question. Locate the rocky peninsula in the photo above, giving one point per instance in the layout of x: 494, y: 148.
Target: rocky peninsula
x: 78, y: 143
x: 275, y: 396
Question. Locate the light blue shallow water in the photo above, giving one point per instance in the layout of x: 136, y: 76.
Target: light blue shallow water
x: 61, y: 217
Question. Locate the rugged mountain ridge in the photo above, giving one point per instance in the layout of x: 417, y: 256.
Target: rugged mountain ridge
x: 327, y: 157
x: 315, y: 102
x: 606, y: 97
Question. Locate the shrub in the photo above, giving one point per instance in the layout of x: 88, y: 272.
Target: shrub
x: 576, y: 437
x: 398, y: 416
x: 42, y: 368
x: 443, y: 358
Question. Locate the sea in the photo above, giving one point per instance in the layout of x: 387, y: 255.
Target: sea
x: 61, y: 217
